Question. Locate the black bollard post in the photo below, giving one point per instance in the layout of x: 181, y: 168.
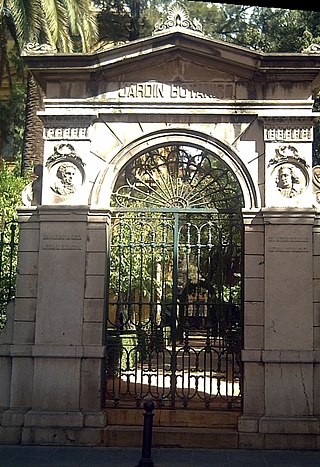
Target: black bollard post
x: 146, y: 460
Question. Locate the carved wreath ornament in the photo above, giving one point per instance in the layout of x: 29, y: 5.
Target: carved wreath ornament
x: 287, y: 153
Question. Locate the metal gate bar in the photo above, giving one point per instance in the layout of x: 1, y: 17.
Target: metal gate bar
x: 174, y: 308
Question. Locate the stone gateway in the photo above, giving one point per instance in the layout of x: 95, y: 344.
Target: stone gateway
x: 173, y: 252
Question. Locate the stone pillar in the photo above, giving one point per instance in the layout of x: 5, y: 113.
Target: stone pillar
x: 92, y: 389
x: 279, y: 380
x: 288, y: 334
x: 17, y: 385
x: 316, y: 309
x: 253, y: 370
x: 68, y: 349
x: 6, y: 337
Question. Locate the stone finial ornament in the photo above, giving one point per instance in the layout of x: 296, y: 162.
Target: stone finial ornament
x: 312, y: 49
x: 178, y: 17
x: 36, y: 48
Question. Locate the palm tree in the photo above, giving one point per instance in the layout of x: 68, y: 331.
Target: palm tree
x: 66, y: 25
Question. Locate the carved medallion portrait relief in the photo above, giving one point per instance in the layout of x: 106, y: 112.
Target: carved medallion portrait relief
x: 66, y: 176
x: 66, y: 170
x: 288, y: 173
x: 289, y: 180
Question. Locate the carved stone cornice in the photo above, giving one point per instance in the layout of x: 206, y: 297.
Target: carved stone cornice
x: 288, y: 129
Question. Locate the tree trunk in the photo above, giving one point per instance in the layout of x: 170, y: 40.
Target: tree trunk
x: 32, y: 151
x: 134, y: 32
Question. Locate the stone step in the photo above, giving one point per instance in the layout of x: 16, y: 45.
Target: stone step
x: 179, y: 437
x: 174, y: 418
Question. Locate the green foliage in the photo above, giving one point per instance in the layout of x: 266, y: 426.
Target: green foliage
x: 273, y: 30
x: 133, y: 254
x: 12, y: 122
x: 127, y: 21
x: 57, y: 22
x: 259, y: 28
x: 125, y: 352
x: 8, y: 263
x: 11, y: 186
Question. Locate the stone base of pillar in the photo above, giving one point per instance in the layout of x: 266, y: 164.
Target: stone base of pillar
x: 10, y: 434
x: 11, y: 422
x: 279, y: 441
x: 283, y: 425
x: 21, y: 426
x: 59, y: 436
x: 13, y: 417
x: 36, y: 418
x: 289, y: 425
x: 265, y: 432
x: 248, y: 423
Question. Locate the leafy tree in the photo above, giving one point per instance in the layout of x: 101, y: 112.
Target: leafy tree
x: 66, y: 25
x: 61, y: 23
x: 121, y: 21
x: 259, y: 28
x: 11, y: 186
x: 12, y: 123
x: 277, y: 30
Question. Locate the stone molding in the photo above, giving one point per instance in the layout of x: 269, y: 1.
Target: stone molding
x: 281, y: 356
x: 66, y: 127
x: 76, y: 351
x: 277, y: 424
x: 288, y: 129
x: 288, y: 215
x: 52, y: 351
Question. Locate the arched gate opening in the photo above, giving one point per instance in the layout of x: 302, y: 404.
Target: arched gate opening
x: 174, y: 307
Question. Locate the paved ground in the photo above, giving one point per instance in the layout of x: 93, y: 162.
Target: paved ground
x: 47, y: 456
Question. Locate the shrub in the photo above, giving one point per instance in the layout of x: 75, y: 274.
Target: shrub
x: 11, y: 186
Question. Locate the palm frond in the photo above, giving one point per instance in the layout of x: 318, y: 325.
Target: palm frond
x: 83, y: 22
x: 26, y: 15
x: 55, y: 24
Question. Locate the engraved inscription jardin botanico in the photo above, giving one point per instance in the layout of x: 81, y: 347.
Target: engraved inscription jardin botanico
x: 153, y: 90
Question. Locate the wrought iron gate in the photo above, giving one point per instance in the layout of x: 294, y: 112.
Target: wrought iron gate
x: 174, y: 317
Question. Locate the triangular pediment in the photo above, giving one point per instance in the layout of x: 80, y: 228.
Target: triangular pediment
x: 177, y: 55
x: 181, y: 53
